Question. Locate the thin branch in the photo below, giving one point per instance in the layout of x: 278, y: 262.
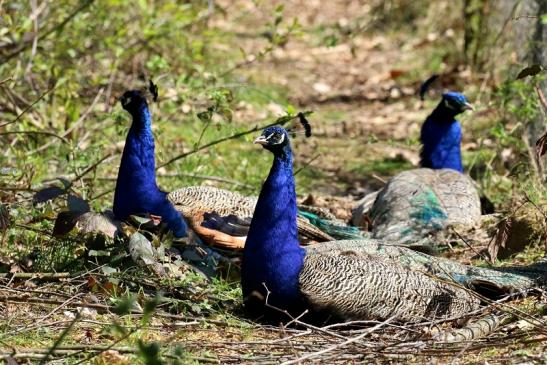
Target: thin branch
x: 36, y: 275
x: 339, y: 345
x: 485, y: 257
x: 29, y: 107
x: 60, y: 339
x: 73, y: 126
x: 36, y: 132
x: 208, y: 177
x: 53, y: 29
x: 541, y: 97
x: 297, y: 319
x: 90, y: 168
x: 307, y: 163
x: 233, y: 136
x: 109, y: 347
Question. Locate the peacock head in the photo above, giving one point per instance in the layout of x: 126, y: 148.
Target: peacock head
x: 274, y: 139
x: 134, y: 101
x: 456, y: 102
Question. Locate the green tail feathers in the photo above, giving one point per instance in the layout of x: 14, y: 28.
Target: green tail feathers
x: 337, y: 230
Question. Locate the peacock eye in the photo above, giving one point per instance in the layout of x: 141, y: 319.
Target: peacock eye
x: 279, y: 138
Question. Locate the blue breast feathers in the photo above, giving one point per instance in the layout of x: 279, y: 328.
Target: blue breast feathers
x: 441, y: 145
x: 441, y: 134
x: 272, y: 257
x: 136, y: 189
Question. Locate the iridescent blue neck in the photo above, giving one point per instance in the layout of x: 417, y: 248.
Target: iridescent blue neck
x: 137, y: 173
x: 142, y: 119
x: 441, y: 140
x: 136, y: 189
x: 272, y: 253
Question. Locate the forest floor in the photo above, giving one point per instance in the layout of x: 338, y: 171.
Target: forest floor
x: 366, y: 118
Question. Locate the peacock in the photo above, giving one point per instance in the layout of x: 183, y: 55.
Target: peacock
x: 418, y: 202
x: 351, y: 279
x: 136, y: 189
x: 441, y: 134
x: 218, y: 216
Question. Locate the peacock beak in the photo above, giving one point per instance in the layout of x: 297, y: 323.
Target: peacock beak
x: 467, y: 106
x: 261, y: 140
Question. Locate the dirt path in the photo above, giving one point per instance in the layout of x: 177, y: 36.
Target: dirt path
x: 367, y: 114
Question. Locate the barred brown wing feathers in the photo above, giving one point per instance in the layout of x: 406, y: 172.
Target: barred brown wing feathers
x: 499, y: 280
x: 209, y: 199
x: 366, y: 287
x: 195, y: 202
x: 220, y: 217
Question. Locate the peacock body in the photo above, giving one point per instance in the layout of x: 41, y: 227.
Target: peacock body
x: 419, y: 202
x: 355, y: 286
x: 490, y: 282
x: 331, y: 277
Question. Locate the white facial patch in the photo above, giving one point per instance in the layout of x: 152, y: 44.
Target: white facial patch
x: 448, y: 105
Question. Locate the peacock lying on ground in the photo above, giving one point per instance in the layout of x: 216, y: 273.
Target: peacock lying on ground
x: 418, y: 202
x: 218, y: 216
x: 351, y: 279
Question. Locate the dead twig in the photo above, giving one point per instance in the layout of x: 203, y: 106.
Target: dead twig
x: 194, y: 176
x: 36, y: 132
x: 91, y: 168
x: 486, y: 258
x: 60, y: 339
x: 29, y: 107
x: 73, y: 126
x: 36, y: 275
x: 541, y: 96
x: 339, y: 345
x: 224, y: 139
x: 50, y: 31
x: 307, y: 163
x: 297, y: 320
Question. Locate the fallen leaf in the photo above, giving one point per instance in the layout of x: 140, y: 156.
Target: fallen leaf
x: 5, y: 220
x: 541, y: 145
x: 103, y: 223
x: 394, y: 74
x: 500, y: 240
x: 529, y: 71
x: 46, y: 194
x: 10, y: 361
x: 322, y: 88
x: 143, y: 253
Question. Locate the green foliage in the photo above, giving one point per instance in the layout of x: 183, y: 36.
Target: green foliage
x: 518, y: 101
x: 149, y: 353
x: 125, y: 305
